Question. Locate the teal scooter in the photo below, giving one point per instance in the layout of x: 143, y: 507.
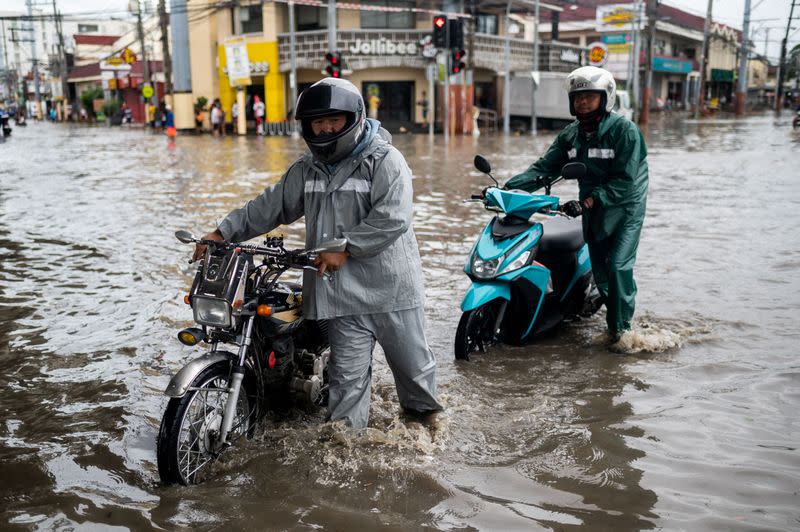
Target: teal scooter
x: 529, y: 268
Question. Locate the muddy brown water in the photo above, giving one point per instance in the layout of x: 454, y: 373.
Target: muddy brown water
x: 693, y: 426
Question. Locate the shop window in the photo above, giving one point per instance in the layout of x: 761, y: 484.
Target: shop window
x: 252, y: 19
x: 389, y: 20
x: 88, y: 28
x: 486, y: 24
x: 311, y: 18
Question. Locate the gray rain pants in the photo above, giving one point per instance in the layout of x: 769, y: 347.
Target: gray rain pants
x: 402, y: 336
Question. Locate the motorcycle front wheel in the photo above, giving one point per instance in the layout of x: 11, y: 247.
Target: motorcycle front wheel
x: 475, y: 330
x: 190, y: 427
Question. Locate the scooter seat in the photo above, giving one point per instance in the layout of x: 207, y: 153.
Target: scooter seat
x: 562, y: 234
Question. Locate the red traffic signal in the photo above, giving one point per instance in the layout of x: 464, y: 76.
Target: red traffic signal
x: 440, y: 31
x: 457, y: 64
x: 334, y: 68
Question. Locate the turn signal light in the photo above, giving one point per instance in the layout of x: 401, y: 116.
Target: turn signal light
x: 238, y: 303
x: 187, y: 300
x: 265, y: 311
x: 191, y: 336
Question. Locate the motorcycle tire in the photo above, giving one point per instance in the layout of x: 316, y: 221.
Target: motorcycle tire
x: 184, y: 451
x: 475, y: 331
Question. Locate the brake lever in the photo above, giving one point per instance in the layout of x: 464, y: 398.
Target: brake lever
x: 326, y: 275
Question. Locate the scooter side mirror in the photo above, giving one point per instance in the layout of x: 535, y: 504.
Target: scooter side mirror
x: 573, y: 171
x: 482, y: 164
x: 184, y: 236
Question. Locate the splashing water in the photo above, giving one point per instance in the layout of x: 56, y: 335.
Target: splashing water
x: 656, y: 335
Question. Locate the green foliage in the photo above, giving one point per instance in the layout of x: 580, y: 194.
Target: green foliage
x: 200, y: 104
x: 111, y: 107
x: 89, y: 96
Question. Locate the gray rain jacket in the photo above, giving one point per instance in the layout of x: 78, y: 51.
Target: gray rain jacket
x: 367, y: 199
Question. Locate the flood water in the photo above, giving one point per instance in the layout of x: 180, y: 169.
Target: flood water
x: 694, y: 426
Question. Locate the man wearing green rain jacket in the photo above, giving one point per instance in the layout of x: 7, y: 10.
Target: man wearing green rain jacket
x: 613, y: 195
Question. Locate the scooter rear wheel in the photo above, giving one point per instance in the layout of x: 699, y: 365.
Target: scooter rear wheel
x: 476, y: 331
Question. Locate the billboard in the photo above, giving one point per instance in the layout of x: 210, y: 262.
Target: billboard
x: 618, y: 17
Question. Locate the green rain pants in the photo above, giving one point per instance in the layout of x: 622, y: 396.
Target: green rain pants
x: 612, y: 266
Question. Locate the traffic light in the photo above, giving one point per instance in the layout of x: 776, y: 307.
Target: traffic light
x: 334, y: 68
x: 457, y: 64
x: 440, y: 31
x: 456, y: 33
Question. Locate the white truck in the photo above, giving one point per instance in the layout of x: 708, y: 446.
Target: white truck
x: 552, y: 102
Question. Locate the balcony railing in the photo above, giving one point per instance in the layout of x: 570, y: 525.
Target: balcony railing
x: 362, y: 49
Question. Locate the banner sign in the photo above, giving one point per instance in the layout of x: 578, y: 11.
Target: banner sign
x: 598, y: 54
x: 668, y: 64
x: 237, y: 62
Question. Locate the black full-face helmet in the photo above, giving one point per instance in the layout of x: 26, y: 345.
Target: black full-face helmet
x: 327, y: 97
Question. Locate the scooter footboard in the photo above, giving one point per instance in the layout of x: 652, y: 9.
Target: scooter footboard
x: 483, y: 292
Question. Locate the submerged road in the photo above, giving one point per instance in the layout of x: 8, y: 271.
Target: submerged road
x: 694, y: 427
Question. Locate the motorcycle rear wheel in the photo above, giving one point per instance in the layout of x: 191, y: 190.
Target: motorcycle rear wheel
x: 475, y: 330
x: 184, y: 449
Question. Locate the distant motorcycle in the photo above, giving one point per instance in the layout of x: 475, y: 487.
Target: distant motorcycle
x: 5, y: 129
x: 530, y: 270
x: 238, y: 298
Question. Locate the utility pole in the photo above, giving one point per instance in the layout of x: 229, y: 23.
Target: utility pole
x: 446, y: 114
x: 781, y: 65
x: 145, y: 63
x: 637, y: 48
x: 34, y: 60
x: 292, y: 65
x: 6, y: 69
x: 167, y: 59
x: 741, y: 94
x: 507, y: 77
x: 332, y: 45
x: 534, y: 131
x: 181, y: 71
x: 63, y: 68
x: 701, y: 89
x: 648, y: 82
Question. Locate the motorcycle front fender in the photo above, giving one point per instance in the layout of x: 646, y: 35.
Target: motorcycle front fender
x: 481, y: 293
x: 180, y: 383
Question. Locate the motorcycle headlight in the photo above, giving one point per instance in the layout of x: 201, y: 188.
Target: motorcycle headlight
x: 517, y: 263
x: 211, y: 311
x: 484, y: 269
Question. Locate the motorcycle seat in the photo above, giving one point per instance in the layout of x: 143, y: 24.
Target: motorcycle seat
x: 562, y: 234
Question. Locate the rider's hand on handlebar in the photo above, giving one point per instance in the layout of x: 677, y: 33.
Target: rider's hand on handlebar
x: 572, y: 208
x: 330, y: 260
x: 199, y: 249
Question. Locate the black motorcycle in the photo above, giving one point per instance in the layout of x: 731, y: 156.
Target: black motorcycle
x: 239, y: 298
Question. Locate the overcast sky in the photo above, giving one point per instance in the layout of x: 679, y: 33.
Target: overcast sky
x: 766, y: 15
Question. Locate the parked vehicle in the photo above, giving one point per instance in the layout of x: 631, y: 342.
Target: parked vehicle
x: 530, y: 269
x: 280, y: 358
x: 622, y: 104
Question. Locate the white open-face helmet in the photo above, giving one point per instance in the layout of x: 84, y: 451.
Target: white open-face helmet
x: 592, y: 79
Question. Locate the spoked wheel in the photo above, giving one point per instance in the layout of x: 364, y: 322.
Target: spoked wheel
x: 189, y: 432
x: 476, y: 330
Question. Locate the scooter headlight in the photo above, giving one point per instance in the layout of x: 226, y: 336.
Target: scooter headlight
x: 211, y: 311
x: 484, y: 269
x: 517, y: 263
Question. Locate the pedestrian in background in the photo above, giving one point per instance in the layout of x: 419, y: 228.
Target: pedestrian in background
x: 235, y: 117
x: 258, y: 112
x: 612, y: 196
x: 215, y: 117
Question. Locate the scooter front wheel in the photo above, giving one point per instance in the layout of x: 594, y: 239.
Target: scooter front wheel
x: 186, y: 446
x: 475, y: 330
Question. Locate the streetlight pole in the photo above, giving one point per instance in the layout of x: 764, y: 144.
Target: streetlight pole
x: 648, y: 84
x: 700, y: 96
x: 534, y: 131
x: 507, y: 81
x: 140, y: 30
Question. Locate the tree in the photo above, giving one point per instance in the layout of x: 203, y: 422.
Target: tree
x: 88, y: 97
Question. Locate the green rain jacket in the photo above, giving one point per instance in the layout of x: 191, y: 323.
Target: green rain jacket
x: 616, y: 177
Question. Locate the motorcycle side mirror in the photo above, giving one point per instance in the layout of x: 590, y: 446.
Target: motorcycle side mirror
x: 337, y: 245
x: 573, y: 171
x: 185, y: 236
x: 482, y: 164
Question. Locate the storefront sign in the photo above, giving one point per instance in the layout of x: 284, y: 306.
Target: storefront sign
x: 237, y: 62
x: 114, y: 63
x: 570, y: 56
x: 617, y: 38
x: 667, y: 64
x: 383, y: 47
x: 718, y: 74
x: 617, y: 17
x: 128, y: 56
x: 619, y: 48
x: 598, y: 54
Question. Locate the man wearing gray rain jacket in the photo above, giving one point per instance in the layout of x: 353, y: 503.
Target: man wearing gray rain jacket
x: 353, y: 184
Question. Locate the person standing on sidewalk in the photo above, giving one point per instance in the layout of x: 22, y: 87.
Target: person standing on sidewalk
x: 612, y: 196
x: 258, y: 112
x: 353, y: 184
